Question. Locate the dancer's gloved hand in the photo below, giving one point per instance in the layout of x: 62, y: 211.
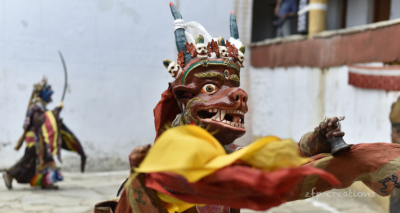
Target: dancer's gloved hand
x: 138, y: 154
x: 329, y: 128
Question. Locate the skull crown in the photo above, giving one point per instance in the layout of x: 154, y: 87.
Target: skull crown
x: 205, y: 50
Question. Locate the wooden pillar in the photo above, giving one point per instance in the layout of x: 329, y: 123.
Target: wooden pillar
x: 316, y: 18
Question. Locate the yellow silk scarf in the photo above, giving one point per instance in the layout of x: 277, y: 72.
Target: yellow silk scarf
x: 194, y: 153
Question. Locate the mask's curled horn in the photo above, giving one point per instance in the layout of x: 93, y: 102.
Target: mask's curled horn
x: 180, y: 37
x: 233, y: 26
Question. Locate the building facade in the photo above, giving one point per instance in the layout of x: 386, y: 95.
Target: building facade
x: 345, y: 70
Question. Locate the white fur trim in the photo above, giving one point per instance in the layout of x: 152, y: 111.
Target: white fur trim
x: 236, y: 42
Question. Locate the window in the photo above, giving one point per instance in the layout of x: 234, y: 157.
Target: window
x: 263, y: 19
x: 381, y: 10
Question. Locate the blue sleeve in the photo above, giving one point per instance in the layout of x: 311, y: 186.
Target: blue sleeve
x: 293, y: 6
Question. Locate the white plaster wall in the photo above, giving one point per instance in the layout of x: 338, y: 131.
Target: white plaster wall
x: 359, y: 12
x: 113, y: 50
x: 394, y: 9
x: 288, y: 102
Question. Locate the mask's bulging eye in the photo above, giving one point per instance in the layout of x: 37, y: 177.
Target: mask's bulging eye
x: 209, y: 89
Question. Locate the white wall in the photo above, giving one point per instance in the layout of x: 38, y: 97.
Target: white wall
x: 359, y: 12
x: 394, y: 9
x: 114, y: 51
x: 289, y: 102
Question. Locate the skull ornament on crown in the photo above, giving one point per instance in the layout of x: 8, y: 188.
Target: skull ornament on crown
x: 206, y: 89
x: 201, y: 48
x: 223, y: 51
x: 173, y: 68
x: 241, y: 55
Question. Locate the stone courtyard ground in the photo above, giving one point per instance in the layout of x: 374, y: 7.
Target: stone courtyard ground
x: 79, y: 192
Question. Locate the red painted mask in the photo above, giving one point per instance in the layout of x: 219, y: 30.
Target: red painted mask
x: 206, y: 91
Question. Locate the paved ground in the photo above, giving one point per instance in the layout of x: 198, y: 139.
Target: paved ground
x: 79, y: 192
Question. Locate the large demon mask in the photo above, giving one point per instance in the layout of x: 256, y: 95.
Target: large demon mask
x: 207, y: 91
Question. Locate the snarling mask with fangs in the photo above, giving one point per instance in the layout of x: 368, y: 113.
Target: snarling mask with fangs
x: 211, y: 98
x: 206, y: 92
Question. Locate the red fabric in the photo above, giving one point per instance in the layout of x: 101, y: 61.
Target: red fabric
x: 165, y: 111
x: 123, y: 205
x: 349, y: 164
x: 50, y: 131
x: 236, y: 186
x: 213, y: 209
